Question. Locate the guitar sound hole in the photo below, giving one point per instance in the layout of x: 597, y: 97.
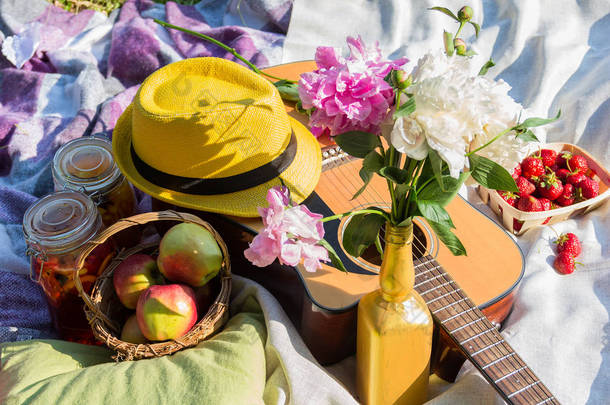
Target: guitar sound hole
x: 371, y: 255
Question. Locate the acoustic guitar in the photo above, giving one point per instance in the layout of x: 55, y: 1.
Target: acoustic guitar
x: 468, y: 296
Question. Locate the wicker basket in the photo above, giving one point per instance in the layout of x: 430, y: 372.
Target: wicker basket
x: 105, y: 312
x: 532, y: 219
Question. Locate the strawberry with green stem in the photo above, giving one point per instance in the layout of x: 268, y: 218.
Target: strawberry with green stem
x: 550, y: 186
x: 568, y: 242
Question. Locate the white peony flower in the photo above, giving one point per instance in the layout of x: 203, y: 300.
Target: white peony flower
x: 409, y: 138
x: 454, y: 108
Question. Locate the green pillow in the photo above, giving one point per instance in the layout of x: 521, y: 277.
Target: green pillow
x: 226, y: 369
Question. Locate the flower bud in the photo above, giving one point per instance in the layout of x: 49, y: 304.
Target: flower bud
x: 400, y: 79
x: 465, y: 14
x: 460, y: 46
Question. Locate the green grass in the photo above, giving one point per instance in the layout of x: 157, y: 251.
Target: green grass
x: 105, y: 6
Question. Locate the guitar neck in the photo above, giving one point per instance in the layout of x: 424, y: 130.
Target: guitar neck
x: 477, y: 337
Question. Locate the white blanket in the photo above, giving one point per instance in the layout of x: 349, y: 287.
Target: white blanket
x: 554, y: 54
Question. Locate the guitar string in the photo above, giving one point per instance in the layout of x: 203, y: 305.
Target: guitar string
x: 500, y: 341
x: 348, y: 178
x: 486, y: 354
x: 451, y: 304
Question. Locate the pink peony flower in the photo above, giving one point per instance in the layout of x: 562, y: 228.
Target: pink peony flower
x: 290, y: 233
x: 349, y: 94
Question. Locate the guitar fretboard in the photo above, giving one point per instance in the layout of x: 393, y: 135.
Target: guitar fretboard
x: 478, y: 338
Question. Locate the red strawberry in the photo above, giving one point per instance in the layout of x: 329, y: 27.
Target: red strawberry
x: 516, y: 172
x: 548, y: 156
x: 550, y: 186
x: 574, y: 178
x: 568, y: 242
x: 563, y: 157
x: 532, y: 167
x: 546, y: 205
x: 529, y: 204
x: 564, y: 263
x: 590, y: 173
x: 525, y: 187
x: 554, y: 167
x: 562, y: 174
x: 567, y: 196
x: 510, y: 197
x: 578, y: 163
x: 517, y: 225
x: 589, y: 188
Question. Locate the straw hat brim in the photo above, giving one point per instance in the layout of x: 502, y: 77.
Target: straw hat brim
x: 301, y: 177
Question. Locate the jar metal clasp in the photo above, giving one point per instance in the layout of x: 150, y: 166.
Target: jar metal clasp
x: 36, y: 251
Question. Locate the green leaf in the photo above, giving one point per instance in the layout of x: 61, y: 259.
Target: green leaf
x: 434, y: 194
x: 373, y: 162
x: 448, y: 40
x: 436, y: 162
x: 491, y: 175
x: 332, y: 254
x: 361, y: 232
x: 448, y: 238
x: 434, y: 212
x: 405, y: 222
x: 477, y: 28
x: 489, y: 64
x: 378, y: 245
x: 289, y: 91
x: 366, y: 177
x: 535, y: 122
x: 445, y: 11
x: 405, y: 109
x: 528, y: 136
x: 398, y: 176
x: 470, y: 52
x: 357, y: 143
x: 400, y: 192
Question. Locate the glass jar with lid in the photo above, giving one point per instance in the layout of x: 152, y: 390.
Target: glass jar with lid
x: 56, y: 228
x: 86, y: 164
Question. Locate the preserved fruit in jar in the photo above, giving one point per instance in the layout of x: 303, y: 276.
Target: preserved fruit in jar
x: 56, y: 228
x: 86, y: 164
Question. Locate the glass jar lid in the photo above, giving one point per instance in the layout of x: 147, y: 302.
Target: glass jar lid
x: 86, y: 164
x: 60, y: 222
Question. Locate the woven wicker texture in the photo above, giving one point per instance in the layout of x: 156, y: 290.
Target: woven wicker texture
x: 105, y: 313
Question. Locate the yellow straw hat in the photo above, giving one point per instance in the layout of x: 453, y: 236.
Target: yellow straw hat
x: 211, y: 135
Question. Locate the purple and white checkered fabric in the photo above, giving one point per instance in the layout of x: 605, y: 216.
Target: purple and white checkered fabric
x: 85, y: 71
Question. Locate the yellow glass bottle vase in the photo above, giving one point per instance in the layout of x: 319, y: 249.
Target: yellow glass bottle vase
x: 394, y: 330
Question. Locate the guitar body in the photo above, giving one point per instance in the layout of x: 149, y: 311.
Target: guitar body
x: 322, y: 305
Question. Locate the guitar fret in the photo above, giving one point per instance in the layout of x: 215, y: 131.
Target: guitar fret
x: 427, y: 280
x: 497, y: 360
x: 468, y: 324
x: 487, y: 347
x: 427, y: 271
x: 441, y: 296
x: 439, y: 286
x: 456, y: 315
x: 447, y: 306
x: 475, y: 336
x: 546, y: 400
x: 523, y: 389
x: 509, y: 374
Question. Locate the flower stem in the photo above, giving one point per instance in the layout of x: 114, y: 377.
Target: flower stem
x: 490, y: 142
x: 364, y: 211
x: 462, y: 23
x: 418, y: 166
x: 232, y: 51
x: 392, y: 193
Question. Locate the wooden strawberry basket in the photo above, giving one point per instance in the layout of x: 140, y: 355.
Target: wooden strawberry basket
x: 509, y: 214
x: 105, y: 312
